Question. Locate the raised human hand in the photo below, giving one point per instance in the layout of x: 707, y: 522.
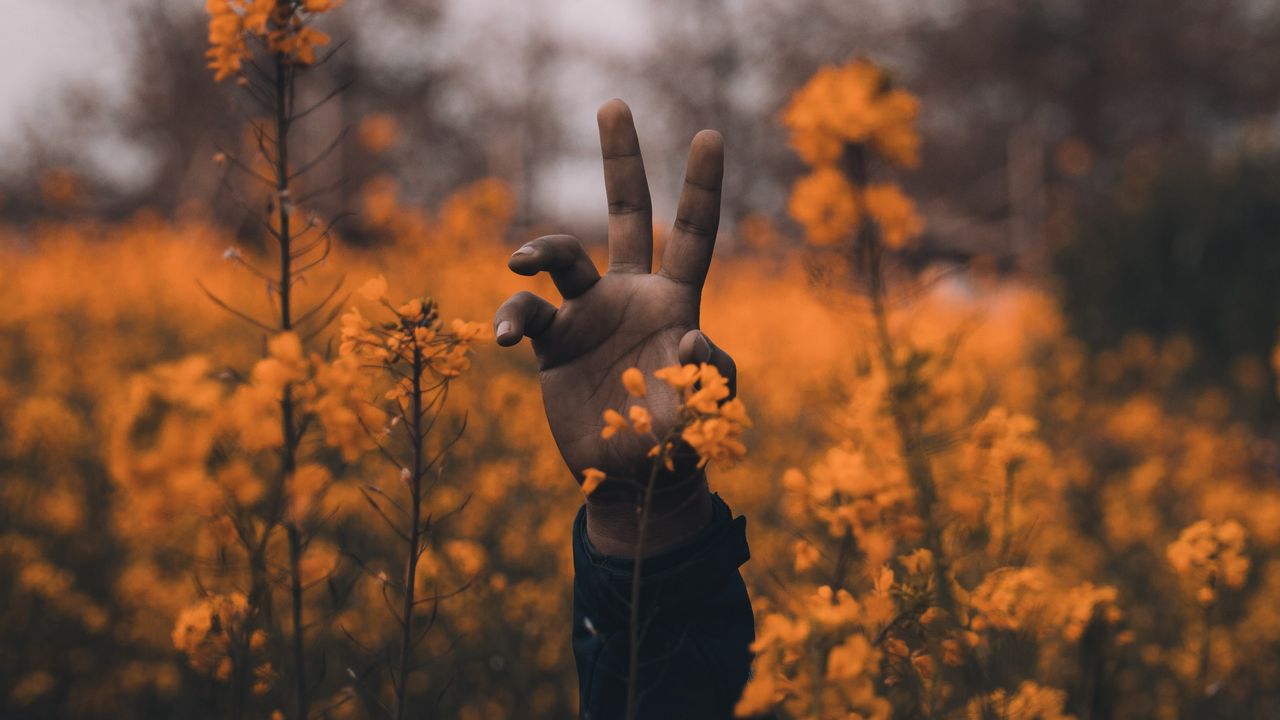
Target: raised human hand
x: 630, y: 317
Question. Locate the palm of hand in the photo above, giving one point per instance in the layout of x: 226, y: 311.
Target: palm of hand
x: 624, y: 321
x: 631, y: 317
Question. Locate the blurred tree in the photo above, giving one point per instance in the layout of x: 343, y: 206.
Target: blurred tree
x: 449, y: 124
x: 1186, y: 250
x: 1088, y: 81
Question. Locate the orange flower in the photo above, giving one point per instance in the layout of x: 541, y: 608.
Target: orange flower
x: 852, y: 104
x: 894, y: 213
x: 614, y: 423
x: 735, y: 412
x: 825, y: 204
x: 469, y: 332
x: 591, y: 479
x: 452, y: 363
x: 374, y: 288
x: 715, y: 440
x: 679, y: 377
x: 411, y: 310
x: 633, y: 380
x: 712, y: 389
x: 640, y: 419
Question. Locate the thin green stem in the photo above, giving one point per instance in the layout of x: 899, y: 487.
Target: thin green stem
x: 415, y: 529
x: 868, y: 254
x: 289, y: 447
x: 633, y: 671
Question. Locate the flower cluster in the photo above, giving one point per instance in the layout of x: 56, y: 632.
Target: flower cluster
x: 284, y: 26
x: 848, y: 106
x: 1031, y: 601
x: 209, y: 634
x: 416, y: 335
x: 1030, y: 701
x: 818, y: 655
x: 853, y: 103
x: 706, y: 420
x: 1211, y: 556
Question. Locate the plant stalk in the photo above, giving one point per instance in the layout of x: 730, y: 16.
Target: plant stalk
x: 415, y: 529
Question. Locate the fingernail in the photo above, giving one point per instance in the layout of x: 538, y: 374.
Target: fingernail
x: 706, y: 347
x: 524, y: 250
x: 503, y: 328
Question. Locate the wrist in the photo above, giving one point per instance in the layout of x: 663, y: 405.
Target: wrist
x: 613, y: 524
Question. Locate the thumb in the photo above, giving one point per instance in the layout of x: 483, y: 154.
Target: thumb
x: 696, y: 347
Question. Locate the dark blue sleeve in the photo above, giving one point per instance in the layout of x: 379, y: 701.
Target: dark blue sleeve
x: 695, y: 619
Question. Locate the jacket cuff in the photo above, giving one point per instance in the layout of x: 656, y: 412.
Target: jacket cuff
x: 672, y: 580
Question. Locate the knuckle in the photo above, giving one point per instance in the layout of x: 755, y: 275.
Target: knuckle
x: 692, y: 227
x: 626, y: 207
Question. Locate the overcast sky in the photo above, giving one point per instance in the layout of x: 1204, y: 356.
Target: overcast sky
x: 47, y: 45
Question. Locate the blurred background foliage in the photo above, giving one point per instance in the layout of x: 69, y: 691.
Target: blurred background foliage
x: 1045, y: 122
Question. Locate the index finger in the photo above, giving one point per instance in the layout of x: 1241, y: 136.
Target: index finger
x: 630, y: 210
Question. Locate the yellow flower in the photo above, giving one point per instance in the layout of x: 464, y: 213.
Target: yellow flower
x: 806, y: 555
x: 640, y: 419
x: 256, y: 14
x: 633, y: 380
x: 824, y: 203
x: 833, y: 609
x: 355, y: 332
x: 614, y: 423
x: 411, y: 311
x: 423, y: 335
x: 452, y: 363
x: 230, y: 21
x: 713, y: 388
x: 285, y: 347
x: 759, y: 696
x: 1030, y: 701
x: 837, y: 105
x: 227, y: 47
x: 735, y: 412
x: 1211, y: 555
x: 374, y: 288
x: 894, y: 212
x: 297, y: 42
x: 715, y: 440
x: 283, y: 365
x: 679, y: 377
x: 919, y: 562
x: 852, y: 104
x: 852, y: 658
x: 469, y: 332
x: 591, y: 479
x: 343, y: 406
x: 895, y: 136
x: 203, y: 632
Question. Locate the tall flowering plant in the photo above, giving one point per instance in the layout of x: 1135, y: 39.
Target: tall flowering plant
x: 707, y: 422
